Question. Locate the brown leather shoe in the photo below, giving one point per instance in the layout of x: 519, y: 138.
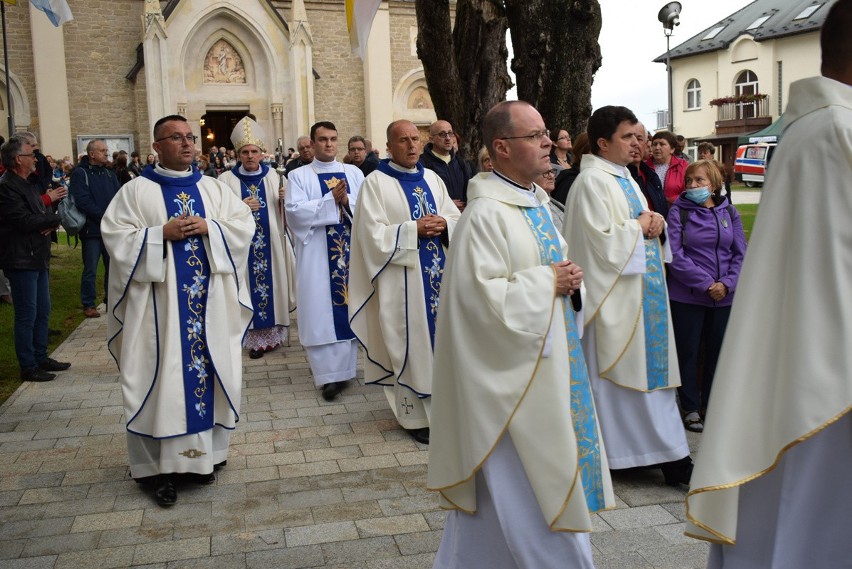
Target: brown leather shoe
x: 91, y: 312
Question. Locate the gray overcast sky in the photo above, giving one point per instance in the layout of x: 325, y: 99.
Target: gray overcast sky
x: 631, y: 37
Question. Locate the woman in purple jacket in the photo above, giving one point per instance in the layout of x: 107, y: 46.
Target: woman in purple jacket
x: 708, y: 247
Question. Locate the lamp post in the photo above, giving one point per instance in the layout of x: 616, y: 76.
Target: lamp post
x: 669, y: 16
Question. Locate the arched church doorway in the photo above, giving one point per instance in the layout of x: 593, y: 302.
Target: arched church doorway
x: 216, y: 128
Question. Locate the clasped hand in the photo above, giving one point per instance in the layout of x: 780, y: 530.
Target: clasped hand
x: 431, y: 226
x: 339, y: 193
x: 184, y: 226
x: 569, y: 277
x: 652, y: 224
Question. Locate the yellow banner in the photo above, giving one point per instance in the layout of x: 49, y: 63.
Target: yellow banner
x: 11, y: 2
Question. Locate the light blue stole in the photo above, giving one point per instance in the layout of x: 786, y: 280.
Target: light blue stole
x: 655, y: 309
x: 582, y: 404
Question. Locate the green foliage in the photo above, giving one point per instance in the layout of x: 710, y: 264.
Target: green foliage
x: 66, y: 313
x: 747, y: 214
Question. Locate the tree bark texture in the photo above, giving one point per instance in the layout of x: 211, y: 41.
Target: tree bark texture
x: 465, y: 69
x: 556, y: 57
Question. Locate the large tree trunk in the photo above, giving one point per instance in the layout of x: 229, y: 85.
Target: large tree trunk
x: 465, y: 69
x: 556, y: 56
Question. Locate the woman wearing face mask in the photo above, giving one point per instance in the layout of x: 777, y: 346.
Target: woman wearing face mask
x: 708, y: 246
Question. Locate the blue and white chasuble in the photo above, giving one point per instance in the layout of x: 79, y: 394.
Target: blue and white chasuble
x: 654, y: 302
x: 181, y: 197
x: 582, y: 404
x: 337, y: 238
x: 421, y: 202
x: 260, y: 256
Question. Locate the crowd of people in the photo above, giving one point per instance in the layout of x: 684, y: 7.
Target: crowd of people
x: 557, y: 316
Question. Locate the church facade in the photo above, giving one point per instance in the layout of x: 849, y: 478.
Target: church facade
x: 119, y: 66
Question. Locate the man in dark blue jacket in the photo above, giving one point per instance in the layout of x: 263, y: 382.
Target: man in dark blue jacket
x: 646, y: 177
x: 440, y: 157
x: 93, y: 186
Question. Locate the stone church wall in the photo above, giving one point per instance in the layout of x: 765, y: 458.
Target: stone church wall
x: 19, y: 40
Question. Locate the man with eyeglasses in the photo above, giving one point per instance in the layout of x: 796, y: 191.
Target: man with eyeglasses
x: 515, y: 448
x: 319, y: 202
x: 93, y: 185
x: 440, y: 156
x: 628, y: 340
x: 179, y: 242
x: 361, y: 155
x: 25, y: 228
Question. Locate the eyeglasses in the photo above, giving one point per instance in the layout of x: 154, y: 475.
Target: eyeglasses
x: 30, y: 154
x: 444, y: 134
x: 535, y: 137
x: 179, y: 138
x: 550, y: 174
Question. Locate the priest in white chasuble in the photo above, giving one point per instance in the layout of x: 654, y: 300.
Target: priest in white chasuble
x: 403, y: 224
x: 516, y: 451
x: 628, y: 339
x: 771, y: 487
x: 271, y: 262
x: 320, y: 199
x: 178, y: 242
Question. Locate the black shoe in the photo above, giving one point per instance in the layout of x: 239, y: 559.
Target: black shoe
x: 255, y: 354
x: 222, y: 464
x: 54, y: 332
x: 420, y: 435
x: 677, y: 472
x: 36, y: 374
x: 165, y: 492
x: 332, y: 390
x: 51, y: 364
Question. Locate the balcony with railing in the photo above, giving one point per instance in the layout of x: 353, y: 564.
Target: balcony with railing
x: 742, y: 113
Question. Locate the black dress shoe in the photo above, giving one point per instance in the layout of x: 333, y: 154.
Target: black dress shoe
x: 255, y: 354
x: 51, y: 364
x: 165, y: 492
x: 420, y: 435
x: 222, y: 464
x: 36, y: 374
x: 677, y: 472
x: 54, y: 332
x: 332, y: 390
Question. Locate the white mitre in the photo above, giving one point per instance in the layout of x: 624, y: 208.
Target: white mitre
x: 247, y: 132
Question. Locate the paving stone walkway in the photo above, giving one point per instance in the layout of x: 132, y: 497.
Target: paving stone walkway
x: 308, y: 483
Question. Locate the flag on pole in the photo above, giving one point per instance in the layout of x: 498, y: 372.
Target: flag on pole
x: 57, y: 11
x: 359, y: 20
x: 11, y: 2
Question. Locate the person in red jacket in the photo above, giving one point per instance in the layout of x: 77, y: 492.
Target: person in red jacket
x: 670, y: 169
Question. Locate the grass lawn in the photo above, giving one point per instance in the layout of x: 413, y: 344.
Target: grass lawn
x: 66, y: 311
x: 747, y: 214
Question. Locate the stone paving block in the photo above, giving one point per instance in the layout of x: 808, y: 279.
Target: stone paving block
x: 94, y: 476
x: 630, y: 560
x: 643, y: 516
x: 419, y: 561
x: 16, y: 468
x: 360, y: 550
x: 11, y: 415
x: 35, y: 528
x: 411, y: 458
x: 346, y: 511
x: 135, y: 536
x: 627, y: 540
x: 232, y: 561
x: 691, y: 556
x: 295, y: 558
x: 297, y: 422
x: 367, y: 406
x: 673, y: 533
x: 271, y: 415
x: 25, y: 446
x: 373, y: 425
x: 52, y: 545
x: 346, y: 418
x: 677, y: 509
x: 320, y: 533
x: 54, y: 405
x: 269, y: 436
x: 11, y: 548
x: 12, y: 436
x: 273, y: 516
x: 53, y: 494
x: 353, y: 439
x: 302, y: 444
x: 341, y: 480
x: 420, y: 542
x: 90, y: 440
x: 247, y: 541
x: 62, y: 433
x: 108, y: 429
x: 393, y: 447
x: 374, y: 491
x: 308, y: 469
x: 409, y: 504
x: 74, y: 464
x: 92, y: 421
x: 172, y: 550
x: 645, y: 487
x: 250, y: 449
x: 10, y: 497
x: 391, y: 525
x: 324, y: 431
x: 275, y: 459
x: 186, y: 512
x: 228, y: 522
x: 335, y: 453
x: 107, y: 520
x: 46, y: 562
x: 310, y: 498
x: 274, y: 488
x: 27, y: 481
x: 232, y: 476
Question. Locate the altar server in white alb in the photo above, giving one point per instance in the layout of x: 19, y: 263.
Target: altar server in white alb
x: 628, y: 341
x: 516, y: 451
x: 771, y: 486
x: 321, y: 197
x: 271, y: 263
x: 403, y: 223
x: 178, y: 242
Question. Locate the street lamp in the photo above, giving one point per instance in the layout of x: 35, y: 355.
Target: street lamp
x: 670, y: 17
